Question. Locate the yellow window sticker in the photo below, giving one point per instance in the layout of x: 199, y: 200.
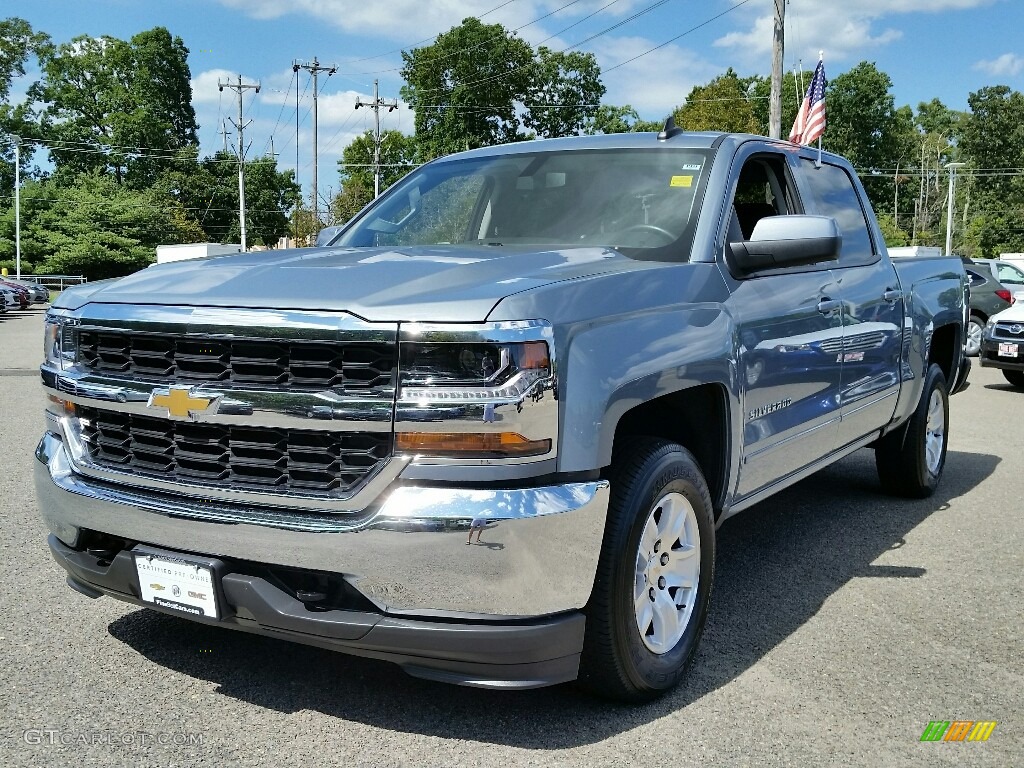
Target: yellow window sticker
x: 681, y: 181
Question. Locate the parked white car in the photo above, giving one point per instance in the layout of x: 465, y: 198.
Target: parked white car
x: 1002, y: 344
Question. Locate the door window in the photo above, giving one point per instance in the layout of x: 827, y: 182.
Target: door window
x: 834, y: 195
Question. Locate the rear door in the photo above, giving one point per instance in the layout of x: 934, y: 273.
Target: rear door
x: 873, y: 305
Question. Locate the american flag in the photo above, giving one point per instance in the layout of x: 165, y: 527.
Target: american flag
x: 810, y: 120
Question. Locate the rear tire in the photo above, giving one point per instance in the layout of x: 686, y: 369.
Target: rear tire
x: 910, y: 460
x: 653, y: 585
x: 1016, y: 378
x: 975, y: 330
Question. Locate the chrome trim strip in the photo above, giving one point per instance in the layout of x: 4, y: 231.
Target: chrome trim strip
x: 230, y: 322
x: 538, y: 552
x: 505, y: 332
x: 326, y: 411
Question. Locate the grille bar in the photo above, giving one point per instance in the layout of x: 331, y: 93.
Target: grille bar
x: 256, y: 458
x: 312, y: 365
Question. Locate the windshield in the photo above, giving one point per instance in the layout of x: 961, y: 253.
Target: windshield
x: 623, y: 198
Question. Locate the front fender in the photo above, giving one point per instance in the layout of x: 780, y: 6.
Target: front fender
x: 615, y: 366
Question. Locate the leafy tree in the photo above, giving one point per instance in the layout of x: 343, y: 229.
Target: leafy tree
x: 398, y: 154
x: 892, y: 234
x: 94, y: 227
x: 465, y: 87
x: 793, y: 90
x: 611, y: 119
x: 865, y: 127
x: 133, y: 97
x: 564, y: 92
x: 721, y: 105
x: 18, y: 43
x: 270, y: 195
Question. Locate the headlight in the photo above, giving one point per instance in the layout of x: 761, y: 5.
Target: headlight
x: 59, y: 341
x: 467, y: 386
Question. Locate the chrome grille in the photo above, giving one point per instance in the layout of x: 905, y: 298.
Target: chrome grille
x: 252, y: 458
x: 1004, y: 331
x: 313, y: 365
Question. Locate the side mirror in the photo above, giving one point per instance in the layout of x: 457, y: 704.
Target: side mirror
x: 325, y: 236
x: 787, y: 241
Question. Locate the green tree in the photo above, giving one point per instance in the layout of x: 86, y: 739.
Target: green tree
x: 612, y: 119
x: 793, y: 90
x: 134, y: 98
x: 93, y: 227
x: 721, y: 105
x: 18, y: 43
x: 270, y: 195
x: 398, y: 155
x: 992, y: 138
x: 465, y: 87
x: 866, y: 128
x: 563, y: 94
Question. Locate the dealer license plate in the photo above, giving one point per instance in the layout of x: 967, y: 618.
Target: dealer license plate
x: 1007, y: 350
x: 180, y: 585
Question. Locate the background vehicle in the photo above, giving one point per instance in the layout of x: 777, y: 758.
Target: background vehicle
x: 24, y: 298
x: 988, y: 297
x: 1003, y: 344
x: 591, y: 351
x: 39, y: 294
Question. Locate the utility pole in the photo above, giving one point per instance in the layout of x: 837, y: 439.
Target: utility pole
x: 778, y: 48
x: 240, y: 127
x: 951, y: 167
x: 375, y: 105
x: 314, y: 68
x: 16, y: 140
x: 225, y: 133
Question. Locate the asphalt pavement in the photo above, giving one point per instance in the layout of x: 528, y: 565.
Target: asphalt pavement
x: 842, y: 623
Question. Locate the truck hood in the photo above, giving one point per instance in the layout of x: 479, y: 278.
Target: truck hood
x: 437, y: 283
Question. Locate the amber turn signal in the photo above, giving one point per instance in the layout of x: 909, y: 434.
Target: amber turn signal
x: 470, y: 444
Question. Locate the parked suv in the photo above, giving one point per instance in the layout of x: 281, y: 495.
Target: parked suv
x: 1003, y: 344
x: 988, y: 296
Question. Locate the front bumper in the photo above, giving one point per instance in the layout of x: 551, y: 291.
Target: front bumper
x: 523, y: 655
x: 989, y: 356
x: 407, y: 556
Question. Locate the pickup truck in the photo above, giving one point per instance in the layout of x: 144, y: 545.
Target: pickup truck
x: 488, y: 433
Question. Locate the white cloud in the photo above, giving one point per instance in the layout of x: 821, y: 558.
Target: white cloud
x: 654, y: 84
x: 842, y: 30
x: 1007, y: 65
x: 405, y: 20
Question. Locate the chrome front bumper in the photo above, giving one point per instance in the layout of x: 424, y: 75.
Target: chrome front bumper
x: 407, y: 553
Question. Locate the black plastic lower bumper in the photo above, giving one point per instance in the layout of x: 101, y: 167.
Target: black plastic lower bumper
x: 990, y: 358
x: 541, y: 652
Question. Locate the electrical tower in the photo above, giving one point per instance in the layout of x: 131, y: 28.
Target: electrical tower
x: 313, y: 68
x: 375, y: 105
x: 239, y: 88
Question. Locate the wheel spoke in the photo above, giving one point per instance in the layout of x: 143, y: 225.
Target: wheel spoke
x: 682, y: 571
x: 666, y: 620
x: 671, y: 527
x: 647, y: 538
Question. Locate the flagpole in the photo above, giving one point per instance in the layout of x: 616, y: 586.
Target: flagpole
x: 821, y: 58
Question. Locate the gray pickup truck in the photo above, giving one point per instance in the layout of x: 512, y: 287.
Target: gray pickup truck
x: 489, y: 432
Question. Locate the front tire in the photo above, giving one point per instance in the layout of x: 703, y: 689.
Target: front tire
x: 1016, y: 378
x: 910, y: 460
x: 653, y: 585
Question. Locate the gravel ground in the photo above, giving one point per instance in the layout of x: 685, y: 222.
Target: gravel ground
x: 842, y: 623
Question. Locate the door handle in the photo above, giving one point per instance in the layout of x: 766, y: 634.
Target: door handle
x: 827, y: 305
x: 892, y: 295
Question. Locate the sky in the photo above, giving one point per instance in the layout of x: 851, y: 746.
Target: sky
x: 651, y: 52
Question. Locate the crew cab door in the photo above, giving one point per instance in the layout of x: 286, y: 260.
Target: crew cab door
x: 873, y: 305
x: 789, y: 330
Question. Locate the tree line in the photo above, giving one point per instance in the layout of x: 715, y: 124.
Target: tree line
x: 116, y: 122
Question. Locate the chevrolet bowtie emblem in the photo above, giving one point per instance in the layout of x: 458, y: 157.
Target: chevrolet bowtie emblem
x: 179, y: 403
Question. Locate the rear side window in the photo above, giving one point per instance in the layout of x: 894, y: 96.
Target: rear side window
x: 975, y: 279
x: 833, y: 194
